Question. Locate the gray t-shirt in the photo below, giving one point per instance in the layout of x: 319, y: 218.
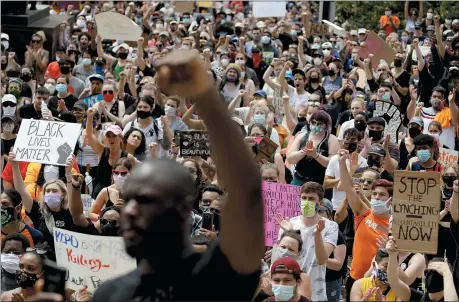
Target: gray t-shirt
x: 82, y: 73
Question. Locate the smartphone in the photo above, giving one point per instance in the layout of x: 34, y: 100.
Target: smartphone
x: 207, y: 221
x: 355, y: 180
x: 54, y: 278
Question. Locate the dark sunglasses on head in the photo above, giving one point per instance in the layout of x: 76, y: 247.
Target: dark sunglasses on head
x: 122, y: 173
x: 36, y: 41
x: 107, y: 92
x: 106, y: 221
x: 38, y: 251
x: 8, y: 104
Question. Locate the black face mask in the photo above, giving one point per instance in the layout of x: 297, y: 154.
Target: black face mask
x: 4, y: 66
x: 217, y: 222
x: 351, y: 147
x: 109, y: 229
x: 414, y: 132
x: 238, y: 31
x: 26, y: 77
x: 360, y: 125
x: 122, y: 55
x: 449, y: 180
x: 373, y: 163
x: 433, y: 282
x: 301, y: 119
x: 13, y: 74
x: 314, y: 80
x: 65, y: 69
x: 25, y: 279
x: 143, y: 114
x: 331, y: 73
x: 454, y: 73
x: 398, y: 62
x: 376, y: 135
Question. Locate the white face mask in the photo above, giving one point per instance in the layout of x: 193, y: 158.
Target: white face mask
x: 8, y: 127
x: 224, y: 62
x: 317, y: 61
x: 170, y: 111
x: 242, y: 74
x: 53, y: 200
x: 6, y: 44
x: 51, y: 88
x: 159, y: 25
x: 119, y: 180
x: 80, y: 23
x: 326, y: 53
x: 429, y: 15
x: 240, y: 62
x: 10, y: 263
x: 9, y: 111
x: 388, y: 13
x: 51, y: 173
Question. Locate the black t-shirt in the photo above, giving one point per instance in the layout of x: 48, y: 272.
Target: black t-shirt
x: 420, y: 296
x: 89, y: 230
x: 69, y: 101
x: 332, y: 275
x: 7, y: 144
x: 28, y: 112
x: 344, y: 117
x: 201, y: 277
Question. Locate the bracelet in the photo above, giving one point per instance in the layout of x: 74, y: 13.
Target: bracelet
x: 317, y: 156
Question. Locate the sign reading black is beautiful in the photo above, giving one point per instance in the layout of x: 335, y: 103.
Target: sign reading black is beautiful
x: 46, y: 142
x: 194, y: 143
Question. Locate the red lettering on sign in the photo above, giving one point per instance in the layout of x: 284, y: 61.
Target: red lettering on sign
x: 95, y: 264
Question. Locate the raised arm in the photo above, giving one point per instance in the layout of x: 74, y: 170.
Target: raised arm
x: 267, y: 75
x: 454, y: 207
x: 97, y: 146
x: 74, y: 183
x: 282, y: 80
x: 242, y: 239
x: 401, y: 290
x: 236, y: 100
x: 407, y: 13
x: 192, y: 124
x: 19, y: 185
x: 453, y: 107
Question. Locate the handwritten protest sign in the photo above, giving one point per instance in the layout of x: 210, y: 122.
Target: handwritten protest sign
x: 194, y: 143
x: 379, y: 48
x: 91, y: 100
x: 393, y: 117
x: 87, y: 203
x: 278, y: 103
x: 319, y: 29
x: 278, y: 198
x: 415, y: 211
x: 46, y: 142
x: 448, y: 156
x: 266, y: 149
x: 113, y: 26
x: 90, y: 260
x: 263, y: 9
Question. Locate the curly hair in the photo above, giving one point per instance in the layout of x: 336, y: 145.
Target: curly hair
x: 142, y: 147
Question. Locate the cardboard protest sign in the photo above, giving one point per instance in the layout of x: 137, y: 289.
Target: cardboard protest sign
x: 91, y: 100
x: 278, y: 103
x: 319, y: 29
x: 415, y: 211
x: 46, y: 142
x: 266, y: 149
x: 87, y: 203
x: 424, y: 50
x: 114, y: 26
x: 393, y: 117
x: 184, y: 6
x: 205, y: 4
x: 263, y: 9
x: 194, y: 143
x: 282, y: 199
x: 90, y: 260
x: 379, y: 48
x: 448, y: 156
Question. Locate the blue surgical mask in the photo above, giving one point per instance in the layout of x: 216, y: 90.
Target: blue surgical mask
x: 386, y: 96
x: 316, y: 129
x: 423, y: 155
x: 99, y: 69
x: 259, y: 119
x: 354, y: 82
x: 61, y: 88
x: 283, y: 292
x: 86, y: 61
x: 379, y: 206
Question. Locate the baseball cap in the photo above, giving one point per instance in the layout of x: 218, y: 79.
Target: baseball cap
x: 455, y: 21
x: 80, y: 105
x: 100, y: 60
x: 431, y: 27
x: 261, y: 93
x: 122, y: 45
x: 326, y: 206
x: 115, y: 129
x: 417, y: 24
x: 96, y: 76
x: 174, y: 22
x: 327, y: 45
x: 377, y: 149
x: 353, y: 33
x: 255, y: 49
x: 5, y: 37
x: 289, y: 75
x: 362, y: 31
x: 286, y: 265
x: 67, y: 117
x: 239, y: 24
x: 9, y: 98
x: 10, y: 117
x: 16, y: 80
x: 261, y: 24
x: 417, y: 120
x: 377, y: 120
x: 164, y: 33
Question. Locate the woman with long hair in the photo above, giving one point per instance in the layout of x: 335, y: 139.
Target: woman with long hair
x: 134, y: 141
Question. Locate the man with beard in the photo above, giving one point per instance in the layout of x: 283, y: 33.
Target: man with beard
x: 448, y: 117
x: 155, y: 217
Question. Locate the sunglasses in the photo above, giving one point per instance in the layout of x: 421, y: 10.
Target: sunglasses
x: 326, y: 48
x: 107, y: 92
x: 366, y: 180
x: 315, y: 123
x: 381, y: 70
x: 314, y: 104
x: 110, y: 222
x: 38, y: 251
x: 36, y: 41
x: 8, y: 104
x: 122, y: 173
x: 353, y: 44
x: 203, y: 38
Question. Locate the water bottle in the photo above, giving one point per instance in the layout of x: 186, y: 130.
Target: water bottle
x: 88, y: 181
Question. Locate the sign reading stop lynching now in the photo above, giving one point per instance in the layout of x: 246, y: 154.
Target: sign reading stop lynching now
x: 416, y: 211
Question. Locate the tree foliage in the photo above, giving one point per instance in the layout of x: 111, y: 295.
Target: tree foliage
x: 367, y: 13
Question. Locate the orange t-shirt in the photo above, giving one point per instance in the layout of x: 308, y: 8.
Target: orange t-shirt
x: 368, y: 227
x: 385, y: 23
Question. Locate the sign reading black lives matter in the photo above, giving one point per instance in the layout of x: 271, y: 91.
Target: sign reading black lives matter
x: 46, y: 142
x: 194, y: 143
x: 416, y: 211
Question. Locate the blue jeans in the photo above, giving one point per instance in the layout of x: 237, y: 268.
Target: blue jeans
x: 334, y: 290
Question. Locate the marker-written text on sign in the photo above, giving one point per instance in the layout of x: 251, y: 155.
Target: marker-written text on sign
x: 282, y: 199
x: 415, y: 211
x: 194, y: 143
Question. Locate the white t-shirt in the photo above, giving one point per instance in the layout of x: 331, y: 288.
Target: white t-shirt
x: 308, y: 259
x: 333, y: 171
x: 297, y: 100
x: 447, y: 136
x: 346, y: 125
